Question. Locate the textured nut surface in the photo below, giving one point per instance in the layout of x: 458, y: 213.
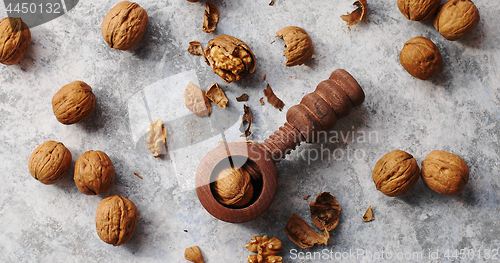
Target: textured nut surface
x: 233, y: 187
x: 195, y: 48
x: 456, y: 18
x: 266, y: 248
x: 210, y: 18
x: 196, y: 101
x: 116, y: 220
x: 230, y: 58
x: 358, y: 14
x: 193, y: 254
x: 396, y: 173
x: 49, y: 162
x: 299, y: 47
x: 421, y: 58
x: 325, y: 211
x: 216, y: 94
x: 15, y: 38
x: 74, y: 102
x: 124, y: 25
x: 155, y: 140
x: 445, y: 172
x: 301, y: 233
x: 418, y: 10
x: 94, y: 173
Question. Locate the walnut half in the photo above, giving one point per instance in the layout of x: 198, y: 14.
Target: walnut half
x: 301, y: 233
x: 266, y: 249
x: 325, y: 211
x: 299, y: 47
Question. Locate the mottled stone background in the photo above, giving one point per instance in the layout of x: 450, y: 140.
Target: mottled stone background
x: 457, y: 111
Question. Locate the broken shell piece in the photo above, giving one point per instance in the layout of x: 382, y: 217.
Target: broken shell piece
x: 368, y: 215
x: 215, y: 94
x: 325, y: 211
x: 193, y: 254
x: 156, y: 138
x: 195, y: 48
x: 243, y: 97
x: 246, y: 118
x: 196, y: 100
x: 302, y: 234
x: 272, y: 99
x: 299, y: 47
x: 266, y: 247
x: 210, y: 18
x: 358, y: 14
x: 262, y: 101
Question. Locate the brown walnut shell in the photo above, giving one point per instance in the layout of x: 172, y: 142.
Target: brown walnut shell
x: 233, y: 187
x: 116, y: 220
x: 418, y: 10
x: 15, y: 38
x: 94, y: 173
x: 421, y: 58
x: 193, y: 254
x: 325, y: 211
x: 73, y: 102
x: 445, y: 173
x: 299, y: 47
x: 456, y: 19
x: 196, y: 100
x: 301, y: 233
x: 49, y: 162
x: 396, y: 173
x: 124, y: 25
x: 230, y: 58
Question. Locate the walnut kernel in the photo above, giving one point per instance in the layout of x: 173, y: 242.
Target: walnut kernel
x: 49, y: 162
x: 15, y: 38
x: 266, y: 248
x: 396, y: 173
x: 155, y: 140
x: 116, y: 220
x: 421, y: 58
x: 124, y: 25
x: 445, y: 173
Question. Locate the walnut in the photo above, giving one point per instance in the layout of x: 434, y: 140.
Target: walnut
x: 418, y: 10
x: 15, y: 38
x: 156, y: 137
x: 215, y: 94
x: 116, y: 219
x: 396, y: 173
x: 94, y: 173
x: 230, y: 58
x: 124, y: 25
x: 445, y: 172
x: 266, y: 249
x: 325, y: 211
x: 302, y: 234
x: 299, y: 47
x: 49, y: 162
x: 196, y: 101
x: 193, y: 254
x: 73, y: 102
x: 233, y: 187
x: 456, y: 18
x: 210, y: 18
x: 421, y: 58
x: 357, y: 15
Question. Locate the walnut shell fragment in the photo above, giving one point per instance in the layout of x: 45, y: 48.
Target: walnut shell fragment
x: 210, y: 18
x: 124, y: 25
x: 193, y: 1
x: 418, y: 10
x: 230, y: 58
x: 193, y: 254
x: 266, y: 248
x: 15, y: 38
x: 215, y: 94
x: 445, y: 173
x: 74, y: 102
x: 396, y: 173
x: 421, y: 58
x: 273, y: 99
x: 155, y: 140
x: 456, y: 18
x: 116, y: 220
x: 301, y: 233
x: 261, y: 100
x: 196, y: 100
x: 195, y: 48
x: 94, y: 173
x: 233, y: 187
x: 246, y: 120
x: 243, y: 97
x: 325, y: 211
x: 368, y: 216
x: 49, y: 162
x: 357, y: 15
x: 299, y: 47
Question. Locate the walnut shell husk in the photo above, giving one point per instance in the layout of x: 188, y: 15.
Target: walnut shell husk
x: 196, y: 100
x: 74, y: 102
x: 94, y: 173
x: 445, y: 172
x: 418, y: 10
x: 301, y: 233
x: 230, y: 58
x: 325, y: 211
x: 299, y: 47
x: 456, y: 19
x: 396, y: 173
x: 116, y: 220
x: 357, y: 15
x: 233, y: 187
x: 210, y: 18
x: 421, y: 58
x: 193, y: 254
x: 49, y: 162
x: 124, y: 25
x: 216, y: 94
x: 15, y: 38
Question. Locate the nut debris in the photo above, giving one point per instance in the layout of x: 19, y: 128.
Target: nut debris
x: 193, y: 254
x: 357, y: 15
x: 156, y: 138
x: 196, y: 100
x: 302, y: 234
x: 195, y: 48
x: 246, y: 118
x: 368, y: 216
x: 243, y: 97
x: 215, y: 94
x: 273, y: 99
x: 325, y: 211
x: 210, y: 18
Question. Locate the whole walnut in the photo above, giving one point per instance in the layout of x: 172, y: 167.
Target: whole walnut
x: 15, y: 38
x: 421, y: 58
x: 49, y: 162
x: 396, y: 173
x: 230, y: 58
x: 418, y: 10
x: 233, y: 187
x: 456, y: 19
x: 299, y: 47
x: 124, y: 25
x: 445, y: 172
x: 116, y: 220
x: 73, y: 102
x: 94, y: 173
